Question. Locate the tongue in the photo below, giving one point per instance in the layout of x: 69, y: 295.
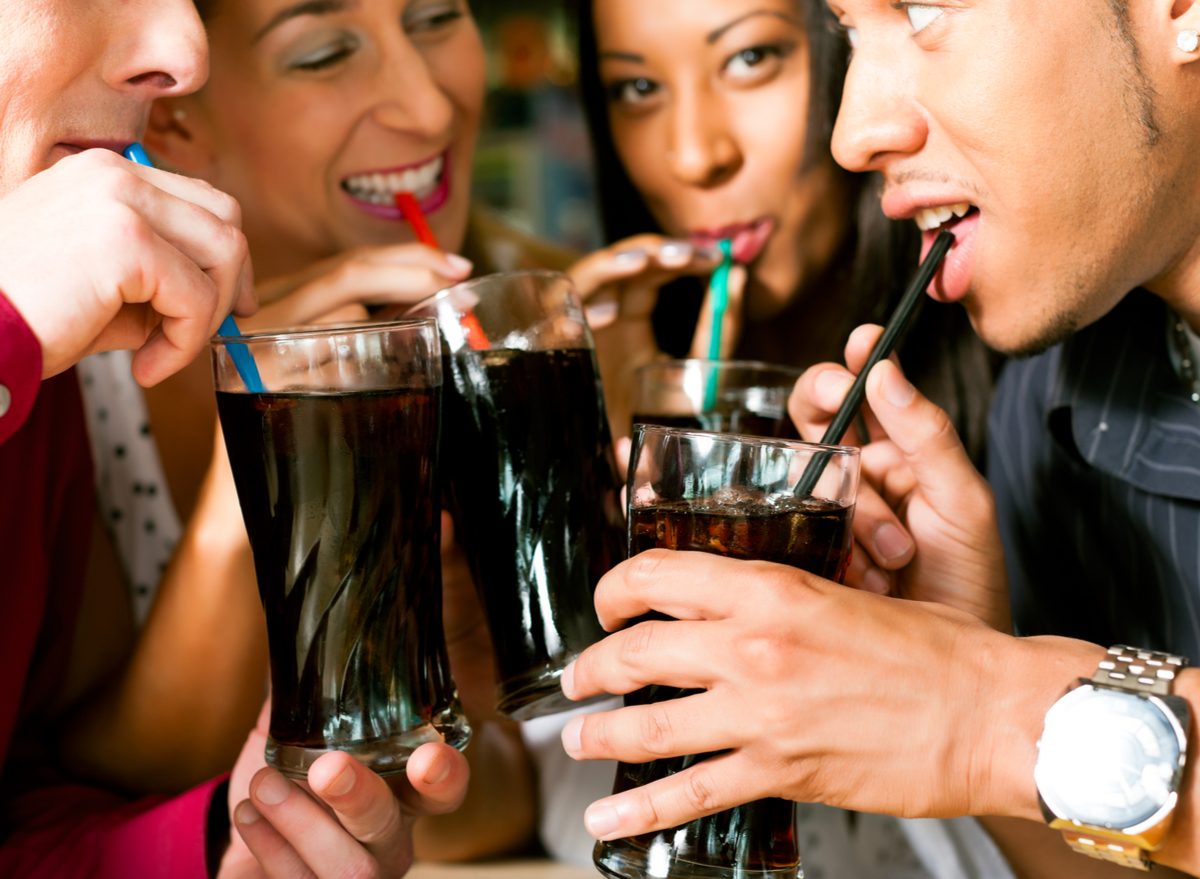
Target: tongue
x: 954, y: 278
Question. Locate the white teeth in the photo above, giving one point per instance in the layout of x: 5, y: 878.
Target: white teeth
x: 930, y: 218
x: 381, y: 189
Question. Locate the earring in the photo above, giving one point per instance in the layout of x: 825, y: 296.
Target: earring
x: 180, y: 114
x: 1188, y: 41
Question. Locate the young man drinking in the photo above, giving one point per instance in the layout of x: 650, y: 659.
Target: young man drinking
x: 1061, y: 143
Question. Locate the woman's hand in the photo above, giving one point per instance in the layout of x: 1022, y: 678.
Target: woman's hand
x: 925, y: 516
x: 341, y: 288
x: 345, y: 821
x: 619, y: 286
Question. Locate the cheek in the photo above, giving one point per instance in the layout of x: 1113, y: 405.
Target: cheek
x: 459, y: 68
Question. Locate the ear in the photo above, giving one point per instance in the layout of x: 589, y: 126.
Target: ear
x: 180, y: 136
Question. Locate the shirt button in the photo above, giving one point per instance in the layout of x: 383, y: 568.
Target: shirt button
x: 5, y: 400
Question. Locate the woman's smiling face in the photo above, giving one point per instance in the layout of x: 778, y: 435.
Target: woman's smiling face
x: 708, y: 104
x: 317, y: 112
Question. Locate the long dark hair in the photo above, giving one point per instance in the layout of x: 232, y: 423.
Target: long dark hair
x: 941, y: 352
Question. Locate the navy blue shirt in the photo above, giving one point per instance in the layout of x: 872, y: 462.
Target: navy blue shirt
x: 1094, y: 454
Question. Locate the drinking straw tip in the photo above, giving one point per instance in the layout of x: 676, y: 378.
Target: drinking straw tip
x: 136, y: 154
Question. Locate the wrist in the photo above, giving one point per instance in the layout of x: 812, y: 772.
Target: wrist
x: 1025, y: 677
x: 1181, y: 848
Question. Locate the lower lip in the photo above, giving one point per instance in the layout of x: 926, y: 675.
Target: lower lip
x: 748, y: 241
x: 953, y: 279
x: 429, y: 203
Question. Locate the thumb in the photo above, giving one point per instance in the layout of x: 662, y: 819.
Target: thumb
x: 924, y: 434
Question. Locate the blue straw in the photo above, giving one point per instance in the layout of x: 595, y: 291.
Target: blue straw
x: 243, y: 360
x: 719, y: 288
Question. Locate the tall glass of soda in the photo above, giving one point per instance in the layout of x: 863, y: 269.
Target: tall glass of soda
x: 335, y: 455
x: 732, y: 496
x: 531, y: 478
x: 723, y: 396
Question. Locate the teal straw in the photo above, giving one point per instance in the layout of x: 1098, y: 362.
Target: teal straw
x: 718, y: 288
x: 243, y: 360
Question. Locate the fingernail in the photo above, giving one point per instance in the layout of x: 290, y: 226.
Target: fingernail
x: 890, y: 541
x: 675, y: 250
x: 832, y: 386
x: 875, y: 580
x: 572, y: 736
x: 246, y: 813
x: 627, y: 257
x: 567, y: 681
x: 601, y: 819
x: 438, y: 772
x: 273, y: 789
x: 343, y: 784
x: 460, y: 264
x: 601, y: 314
x: 897, y: 390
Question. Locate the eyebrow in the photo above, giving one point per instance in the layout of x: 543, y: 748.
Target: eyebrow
x: 307, y: 7
x: 711, y: 38
x: 724, y: 29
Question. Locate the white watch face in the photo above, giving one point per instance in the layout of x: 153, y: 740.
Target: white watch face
x: 1107, y: 758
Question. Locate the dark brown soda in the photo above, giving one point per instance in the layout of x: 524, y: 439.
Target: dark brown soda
x: 339, y: 496
x: 735, y: 421
x: 532, y: 483
x: 812, y: 535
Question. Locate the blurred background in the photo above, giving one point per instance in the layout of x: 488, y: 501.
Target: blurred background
x: 534, y: 163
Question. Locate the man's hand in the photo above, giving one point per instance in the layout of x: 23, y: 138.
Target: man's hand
x: 816, y: 692
x: 98, y: 253
x: 925, y: 515
x: 346, y: 821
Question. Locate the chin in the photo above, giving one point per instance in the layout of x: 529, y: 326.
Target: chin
x: 1017, y: 333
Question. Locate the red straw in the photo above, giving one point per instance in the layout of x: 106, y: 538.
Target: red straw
x: 411, y: 209
x: 408, y: 205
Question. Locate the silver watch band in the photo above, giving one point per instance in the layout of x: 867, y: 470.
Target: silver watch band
x: 1139, y: 671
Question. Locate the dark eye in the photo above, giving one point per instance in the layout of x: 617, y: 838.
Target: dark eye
x: 631, y: 91
x: 326, y: 56
x: 755, y: 61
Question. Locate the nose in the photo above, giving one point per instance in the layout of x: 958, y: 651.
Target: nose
x: 411, y: 99
x: 879, y: 120
x: 702, y: 150
x: 161, y: 48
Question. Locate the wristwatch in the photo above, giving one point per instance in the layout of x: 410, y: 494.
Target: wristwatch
x: 1111, y: 757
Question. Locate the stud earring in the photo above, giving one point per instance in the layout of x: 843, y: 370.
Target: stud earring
x: 180, y: 114
x: 1188, y: 41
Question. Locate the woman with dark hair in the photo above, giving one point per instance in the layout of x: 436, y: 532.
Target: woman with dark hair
x: 712, y: 119
x: 740, y: 148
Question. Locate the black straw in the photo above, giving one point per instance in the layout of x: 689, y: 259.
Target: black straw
x: 887, y: 342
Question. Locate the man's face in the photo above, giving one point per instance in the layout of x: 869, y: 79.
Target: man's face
x: 76, y: 74
x: 1076, y: 159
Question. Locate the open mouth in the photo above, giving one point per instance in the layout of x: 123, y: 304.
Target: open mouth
x: 943, y: 217
x: 748, y: 239
x: 375, y: 191
x: 954, y: 278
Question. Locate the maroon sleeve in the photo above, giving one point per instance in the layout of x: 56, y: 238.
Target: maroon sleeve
x: 20, y: 369
x: 70, y: 831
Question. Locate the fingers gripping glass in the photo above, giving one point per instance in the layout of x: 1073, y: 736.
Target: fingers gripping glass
x: 336, y: 467
x: 731, y: 496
